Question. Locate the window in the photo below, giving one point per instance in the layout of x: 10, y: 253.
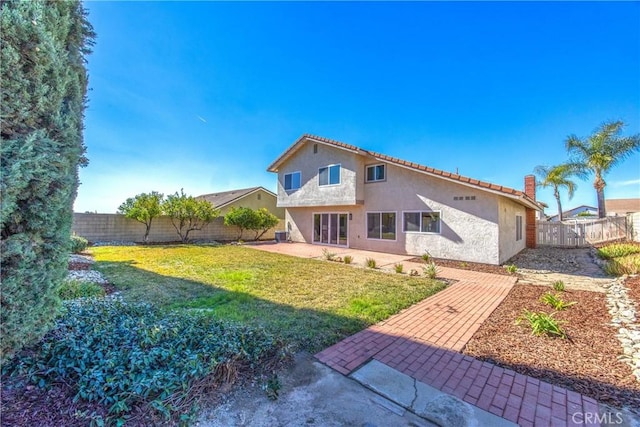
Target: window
x: 381, y: 225
x: 315, y: 148
x: 329, y: 175
x: 518, y: 228
x: 376, y: 173
x: 292, y: 181
x: 421, y: 222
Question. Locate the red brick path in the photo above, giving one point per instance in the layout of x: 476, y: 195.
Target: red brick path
x: 425, y: 340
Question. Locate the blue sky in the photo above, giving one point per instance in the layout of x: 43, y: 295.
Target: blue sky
x: 205, y: 95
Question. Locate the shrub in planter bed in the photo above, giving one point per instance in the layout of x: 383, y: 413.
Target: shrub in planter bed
x: 127, y: 356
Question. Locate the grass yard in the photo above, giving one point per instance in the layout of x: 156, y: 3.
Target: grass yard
x: 309, y: 303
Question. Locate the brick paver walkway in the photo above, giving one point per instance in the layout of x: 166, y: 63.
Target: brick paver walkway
x: 425, y: 340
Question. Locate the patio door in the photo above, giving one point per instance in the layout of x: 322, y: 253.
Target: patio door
x: 330, y: 228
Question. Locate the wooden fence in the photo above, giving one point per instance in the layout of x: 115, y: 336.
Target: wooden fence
x: 577, y: 233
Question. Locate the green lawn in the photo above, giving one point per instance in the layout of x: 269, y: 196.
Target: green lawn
x: 310, y: 303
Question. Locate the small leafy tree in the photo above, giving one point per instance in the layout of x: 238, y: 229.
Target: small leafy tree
x: 143, y: 208
x: 266, y: 221
x: 600, y: 152
x: 243, y: 218
x: 188, y: 213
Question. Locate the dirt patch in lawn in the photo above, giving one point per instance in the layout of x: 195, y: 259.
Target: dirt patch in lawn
x: 587, y: 361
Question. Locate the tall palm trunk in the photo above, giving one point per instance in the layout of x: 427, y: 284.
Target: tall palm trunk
x: 599, y: 185
x: 556, y: 194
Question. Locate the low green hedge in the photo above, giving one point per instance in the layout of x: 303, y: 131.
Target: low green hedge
x: 133, y: 357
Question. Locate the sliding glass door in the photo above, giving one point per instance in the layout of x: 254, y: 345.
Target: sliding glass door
x: 330, y: 228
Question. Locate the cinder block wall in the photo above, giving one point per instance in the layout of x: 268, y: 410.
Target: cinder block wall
x: 114, y: 227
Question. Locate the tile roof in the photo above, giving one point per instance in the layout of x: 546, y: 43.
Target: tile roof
x: 394, y: 160
x: 220, y: 200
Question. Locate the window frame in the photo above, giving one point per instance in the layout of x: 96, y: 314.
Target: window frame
x: 395, y: 225
x: 519, y: 228
x: 328, y: 168
x: 375, y: 165
x: 284, y: 181
x: 421, y: 213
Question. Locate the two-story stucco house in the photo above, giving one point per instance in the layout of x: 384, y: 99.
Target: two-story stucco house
x: 338, y: 194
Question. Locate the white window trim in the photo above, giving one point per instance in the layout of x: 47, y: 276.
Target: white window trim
x: 284, y: 179
x: 366, y: 174
x: 366, y: 225
x: 439, y: 212
x: 338, y: 245
x: 339, y: 176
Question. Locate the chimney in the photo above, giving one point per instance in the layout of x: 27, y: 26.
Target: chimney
x: 530, y: 218
x: 530, y: 186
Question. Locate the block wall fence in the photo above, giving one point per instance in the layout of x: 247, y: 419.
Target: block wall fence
x: 114, y: 227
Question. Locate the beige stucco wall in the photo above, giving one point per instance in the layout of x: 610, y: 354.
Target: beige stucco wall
x: 310, y: 193
x: 507, y: 225
x: 266, y: 200
x: 469, y: 228
x: 114, y: 227
x: 478, y: 230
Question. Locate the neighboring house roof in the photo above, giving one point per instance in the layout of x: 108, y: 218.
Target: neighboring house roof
x: 482, y: 185
x: 220, y: 200
x: 575, y: 211
x: 622, y: 206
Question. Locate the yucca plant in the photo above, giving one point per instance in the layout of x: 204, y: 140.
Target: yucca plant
x: 542, y: 324
x: 555, y: 301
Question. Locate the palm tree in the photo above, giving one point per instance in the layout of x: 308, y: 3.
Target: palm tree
x: 600, y: 152
x: 557, y: 177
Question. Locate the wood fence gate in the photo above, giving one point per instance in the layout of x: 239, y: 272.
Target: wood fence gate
x: 578, y: 233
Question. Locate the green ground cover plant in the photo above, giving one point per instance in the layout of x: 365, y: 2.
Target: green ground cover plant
x: 617, y: 250
x: 133, y: 358
x: 309, y: 303
x: 622, y: 258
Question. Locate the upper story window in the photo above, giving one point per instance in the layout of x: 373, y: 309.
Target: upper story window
x: 329, y: 175
x: 376, y: 173
x: 292, y: 181
x: 421, y: 222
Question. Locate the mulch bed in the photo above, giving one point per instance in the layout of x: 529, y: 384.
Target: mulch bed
x: 633, y: 284
x: 464, y: 265
x: 33, y: 406
x: 586, y: 362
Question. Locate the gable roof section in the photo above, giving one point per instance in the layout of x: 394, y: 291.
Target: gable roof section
x: 222, y: 199
x: 448, y: 176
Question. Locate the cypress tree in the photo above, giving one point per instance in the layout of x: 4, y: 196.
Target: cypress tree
x: 43, y: 85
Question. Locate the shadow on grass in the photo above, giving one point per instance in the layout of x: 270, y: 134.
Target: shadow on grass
x: 304, y: 328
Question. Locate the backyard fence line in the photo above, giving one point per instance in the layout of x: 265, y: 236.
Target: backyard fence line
x: 581, y: 233
x: 117, y: 228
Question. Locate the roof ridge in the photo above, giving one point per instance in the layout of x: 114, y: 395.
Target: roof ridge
x: 412, y: 165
